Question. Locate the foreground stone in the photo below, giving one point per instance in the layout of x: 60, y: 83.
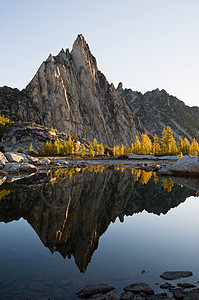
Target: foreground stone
x: 140, y: 287
x: 172, y: 275
x: 166, y: 286
x: 127, y: 296
x: 97, y: 297
x: 13, y: 157
x: 186, y: 285
x: 151, y: 157
x: 28, y: 168
x: 19, y: 167
x: 94, y: 289
x: 3, y: 159
x: 186, y: 165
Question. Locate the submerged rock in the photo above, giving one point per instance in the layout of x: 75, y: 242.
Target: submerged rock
x: 127, y: 296
x: 172, y: 275
x: 166, y: 286
x: 186, y: 285
x: 139, y: 287
x: 94, y: 289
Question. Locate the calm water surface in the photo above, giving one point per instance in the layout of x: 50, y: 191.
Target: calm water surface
x: 62, y: 231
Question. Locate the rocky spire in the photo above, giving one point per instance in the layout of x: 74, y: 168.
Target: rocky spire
x: 81, y: 54
x: 69, y: 93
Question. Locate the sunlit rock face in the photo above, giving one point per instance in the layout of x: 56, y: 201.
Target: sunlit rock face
x: 72, y: 95
x: 70, y: 210
x: 157, y: 110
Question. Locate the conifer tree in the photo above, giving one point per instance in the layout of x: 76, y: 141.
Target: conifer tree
x: 70, y: 146
x: 146, y: 145
x: 122, y: 150
x: 56, y: 147
x: 90, y: 150
x: 117, y: 150
x: 83, y: 150
x: 194, y: 149
x: 186, y: 147
x: 180, y: 145
x: 114, y: 150
x: 156, y: 145
x: 30, y: 151
x: 101, y: 149
x: 168, y: 142
x: 137, y: 146
x: 76, y: 148
x: 96, y: 147
x: 132, y: 148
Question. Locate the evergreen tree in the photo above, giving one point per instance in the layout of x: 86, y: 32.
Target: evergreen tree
x: 180, y: 145
x: 114, y: 150
x: 156, y: 145
x: 137, y: 146
x: 168, y: 142
x: 96, y: 147
x: 76, y: 148
x: 186, y: 147
x: 117, y: 150
x: 122, y: 150
x: 30, y: 151
x: 90, y: 150
x: 56, y: 147
x: 194, y: 149
x: 101, y: 149
x: 146, y: 145
x: 83, y: 150
x: 70, y: 146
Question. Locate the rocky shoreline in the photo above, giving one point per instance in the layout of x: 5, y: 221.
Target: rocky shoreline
x: 142, y: 291
x: 23, y: 165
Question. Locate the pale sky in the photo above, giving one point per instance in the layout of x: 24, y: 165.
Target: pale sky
x: 146, y: 44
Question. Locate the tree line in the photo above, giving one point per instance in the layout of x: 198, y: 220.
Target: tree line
x: 145, y: 145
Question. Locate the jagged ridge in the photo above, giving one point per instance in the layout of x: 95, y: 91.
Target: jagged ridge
x: 157, y: 109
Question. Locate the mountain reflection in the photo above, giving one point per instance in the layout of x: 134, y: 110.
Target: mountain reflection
x: 70, y: 209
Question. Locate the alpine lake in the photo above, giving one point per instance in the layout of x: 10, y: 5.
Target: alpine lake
x: 64, y: 229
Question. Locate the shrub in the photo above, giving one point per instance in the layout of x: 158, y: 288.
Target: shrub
x: 20, y: 150
x: 4, y: 123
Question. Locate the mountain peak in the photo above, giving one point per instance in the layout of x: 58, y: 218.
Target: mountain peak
x: 80, y: 42
x: 82, y: 55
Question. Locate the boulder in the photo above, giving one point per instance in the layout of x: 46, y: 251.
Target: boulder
x: 44, y: 161
x: 138, y: 156
x: 13, y: 157
x: 166, y: 285
x: 2, y: 179
x: 139, y: 287
x: 19, y: 167
x: 12, y: 167
x: 3, y: 159
x: 27, y: 168
x: 164, y: 171
x: 172, y: 275
x: 127, y: 296
x: 168, y: 157
x: 185, y: 165
x: 61, y: 162
x: 186, y: 285
x: 94, y: 289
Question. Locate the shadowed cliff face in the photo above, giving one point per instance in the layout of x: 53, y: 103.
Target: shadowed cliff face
x: 70, y: 214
